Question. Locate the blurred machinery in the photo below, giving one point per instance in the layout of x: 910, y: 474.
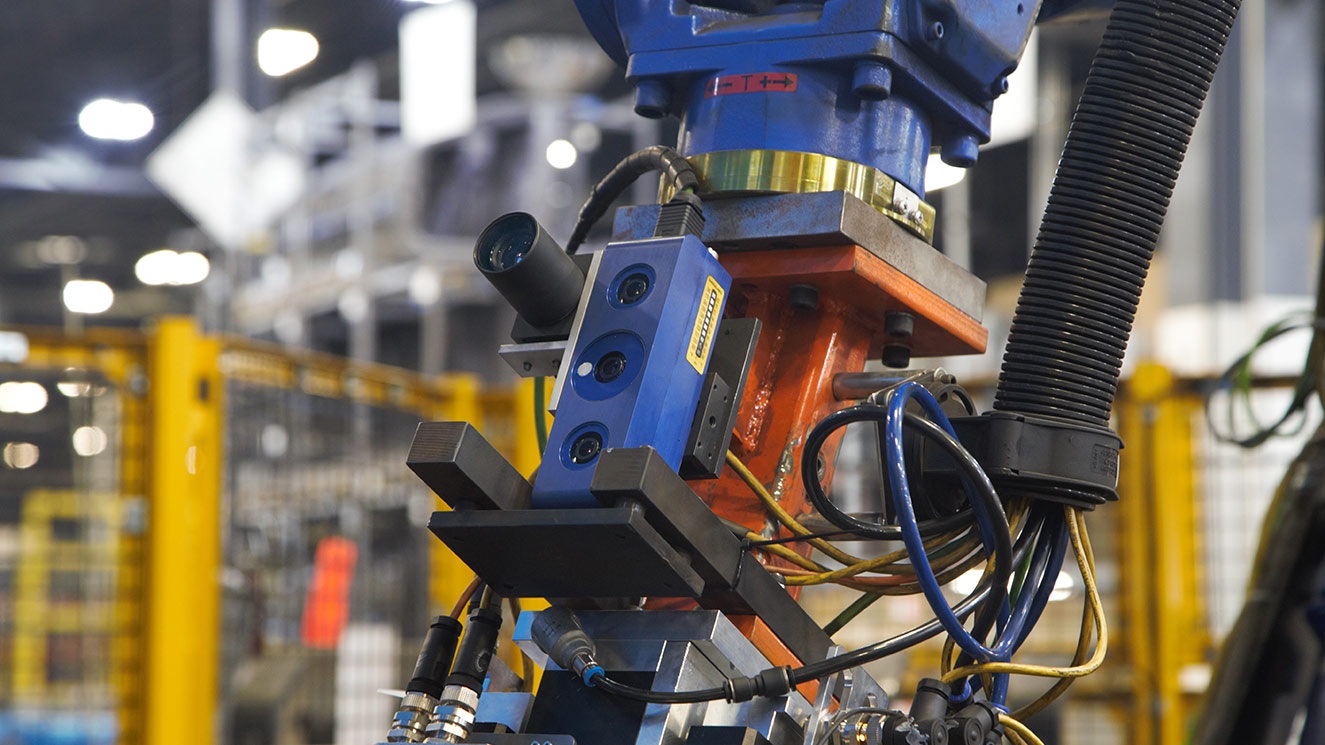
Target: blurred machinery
x: 707, y: 360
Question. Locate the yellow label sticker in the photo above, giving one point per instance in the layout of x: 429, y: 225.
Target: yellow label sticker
x: 706, y: 325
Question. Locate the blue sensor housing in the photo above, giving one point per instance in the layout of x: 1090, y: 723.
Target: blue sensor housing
x: 634, y: 374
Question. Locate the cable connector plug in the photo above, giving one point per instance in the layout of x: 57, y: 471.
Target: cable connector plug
x: 771, y: 683
x: 557, y: 631
x: 683, y: 215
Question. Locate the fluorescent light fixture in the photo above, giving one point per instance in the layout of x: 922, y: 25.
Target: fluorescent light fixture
x: 108, y: 119
x: 561, y: 154
x: 89, y: 441
x: 88, y: 296
x: 22, y: 397
x: 438, y: 49
x: 940, y: 175
x: 20, y: 455
x: 167, y: 267
x: 281, y: 51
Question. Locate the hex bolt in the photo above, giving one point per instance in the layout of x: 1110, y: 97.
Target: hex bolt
x: 897, y: 356
x: 960, y: 150
x: 899, y: 324
x: 803, y: 297
x: 872, y: 81
x: 652, y: 99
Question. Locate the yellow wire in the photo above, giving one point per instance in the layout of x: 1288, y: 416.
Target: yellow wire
x: 1022, y: 730
x: 783, y: 516
x: 1078, y: 657
x: 1076, y: 527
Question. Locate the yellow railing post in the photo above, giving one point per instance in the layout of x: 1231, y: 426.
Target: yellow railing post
x: 1164, y: 618
x: 183, y: 541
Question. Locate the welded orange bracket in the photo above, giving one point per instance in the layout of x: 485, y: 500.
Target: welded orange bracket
x: 800, y: 349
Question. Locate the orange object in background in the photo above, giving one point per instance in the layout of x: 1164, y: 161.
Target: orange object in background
x: 327, y: 607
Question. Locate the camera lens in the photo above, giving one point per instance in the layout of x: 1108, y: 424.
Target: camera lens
x: 633, y: 289
x: 610, y: 367
x: 530, y: 270
x: 506, y: 242
x: 586, y: 448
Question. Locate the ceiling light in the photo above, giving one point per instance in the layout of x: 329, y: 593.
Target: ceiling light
x: 939, y: 175
x: 155, y: 268
x: 191, y: 268
x: 561, y: 154
x: 425, y: 287
x: 166, y: 267
x: 89, y: 441
x: 281, y: 51
x: 88, y: 296
x: 108, y: 119
x: 20, y: 455
x: 22, y: 397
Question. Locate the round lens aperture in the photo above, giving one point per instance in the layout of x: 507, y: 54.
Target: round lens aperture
x: 633, y: 289
x: 506, y: 242
x: 610, y: 367
x: 586, y: 448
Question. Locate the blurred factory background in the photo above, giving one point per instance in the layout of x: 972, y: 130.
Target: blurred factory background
x: 279, y: 198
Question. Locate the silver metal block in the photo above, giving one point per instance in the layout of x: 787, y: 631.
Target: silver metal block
x: 534, y: 360
x: 686, y: 650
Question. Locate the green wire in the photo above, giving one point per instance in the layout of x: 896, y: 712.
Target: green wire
x: 540, y: 412
x: 849, y: 613
x: 1019, y: 578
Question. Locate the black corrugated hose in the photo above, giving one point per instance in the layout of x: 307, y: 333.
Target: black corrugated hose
x: 1127, y: 141
x: 659, y: 158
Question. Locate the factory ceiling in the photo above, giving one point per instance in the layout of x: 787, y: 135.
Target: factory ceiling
x: 57, y: 56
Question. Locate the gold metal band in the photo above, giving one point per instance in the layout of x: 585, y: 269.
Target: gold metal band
x: 783, y: 172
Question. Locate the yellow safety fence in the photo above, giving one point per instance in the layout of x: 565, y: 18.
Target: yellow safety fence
x: 151, y: 480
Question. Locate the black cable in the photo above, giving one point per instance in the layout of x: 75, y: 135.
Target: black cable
x: 659, y: 158
x: 814, y: 488
x: 975, y: 478
x: 658, y: 697
x: 824, y: 668
x: 908, y: 639
x: 799, y: 538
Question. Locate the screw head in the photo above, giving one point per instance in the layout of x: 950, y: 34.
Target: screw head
x: 803, y: 297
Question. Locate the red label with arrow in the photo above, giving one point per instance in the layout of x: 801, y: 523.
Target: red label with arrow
x: 757, y: 82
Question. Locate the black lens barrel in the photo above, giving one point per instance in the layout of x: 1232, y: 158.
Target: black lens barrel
x: 529, y: 269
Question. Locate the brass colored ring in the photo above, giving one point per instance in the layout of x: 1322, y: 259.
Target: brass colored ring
x: 784, y: 172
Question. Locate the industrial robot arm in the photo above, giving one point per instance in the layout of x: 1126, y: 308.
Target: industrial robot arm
x: 708, y: 358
